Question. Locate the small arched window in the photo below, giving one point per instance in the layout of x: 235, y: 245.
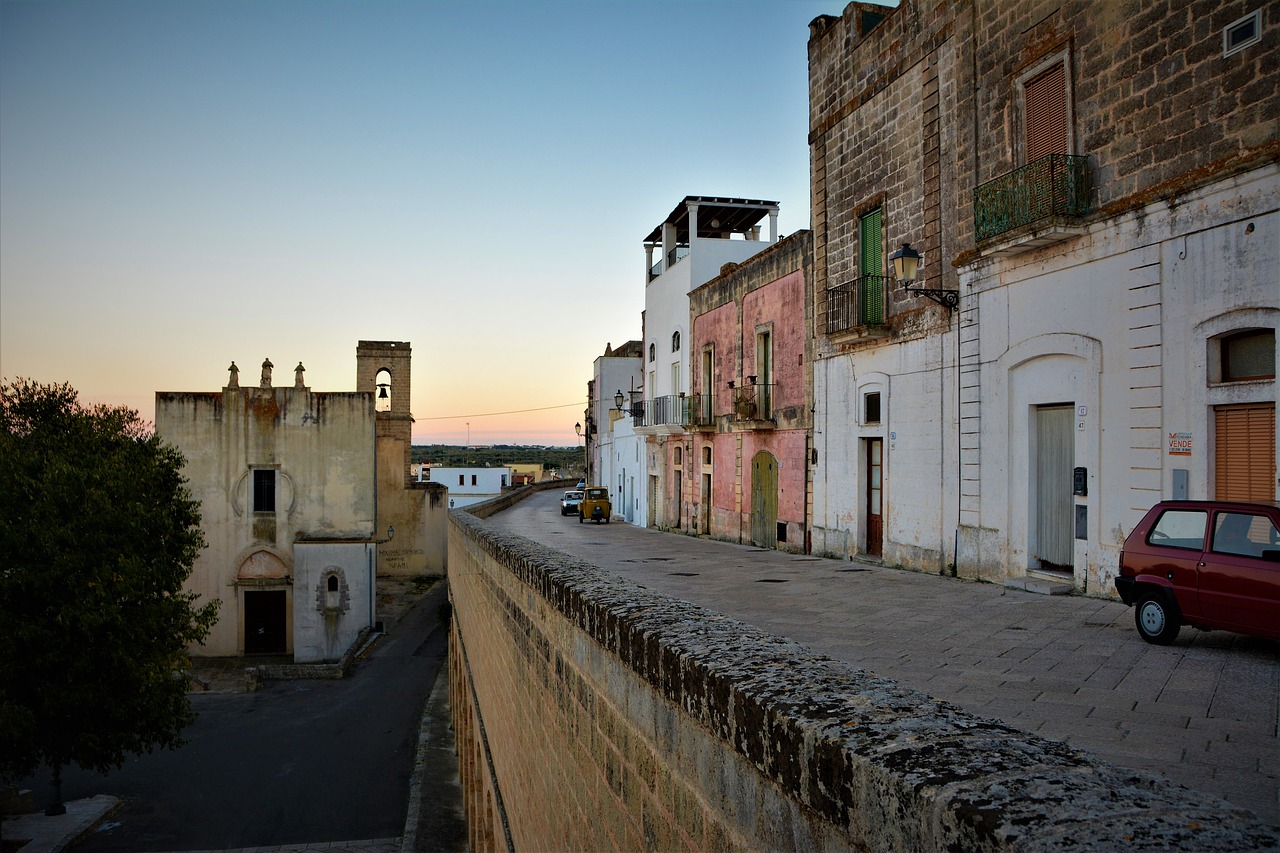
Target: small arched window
x: 679, y: 455
x: 675, y: 342
x: 333, y: 583
x: 653, y: 352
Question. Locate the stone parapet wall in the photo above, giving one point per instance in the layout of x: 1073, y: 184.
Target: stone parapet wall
x: 593, y: 714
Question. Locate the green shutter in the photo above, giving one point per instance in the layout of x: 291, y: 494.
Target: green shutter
x: 871, y: 267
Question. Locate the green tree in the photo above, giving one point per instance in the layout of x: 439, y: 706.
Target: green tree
x: 97, y: 534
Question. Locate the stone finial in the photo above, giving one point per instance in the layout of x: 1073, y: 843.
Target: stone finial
x: 297, y: 376
x: 266, y: 372
x: 234, y: 382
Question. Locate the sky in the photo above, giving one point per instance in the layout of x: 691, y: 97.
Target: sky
x: 184, y: 184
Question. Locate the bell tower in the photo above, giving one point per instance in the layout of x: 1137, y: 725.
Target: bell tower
x: 383, y: 368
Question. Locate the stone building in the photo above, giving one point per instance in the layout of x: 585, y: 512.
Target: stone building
x: 746, y: 452
x: 285, y: 481
x: 416, y: 511
x: 1093, y: 189
x: 304, y: 502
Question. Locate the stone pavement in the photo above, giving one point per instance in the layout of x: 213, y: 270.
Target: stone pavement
x: 1203, y: 712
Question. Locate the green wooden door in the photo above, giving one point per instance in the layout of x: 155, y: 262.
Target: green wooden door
x: 764, y: 500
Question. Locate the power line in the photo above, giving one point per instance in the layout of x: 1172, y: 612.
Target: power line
x: 493, y: 414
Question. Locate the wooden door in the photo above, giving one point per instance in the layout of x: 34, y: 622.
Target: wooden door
x: 264, y: 622
x: 1055, y: 505
x: 764, y: 500
x: 875, y: 496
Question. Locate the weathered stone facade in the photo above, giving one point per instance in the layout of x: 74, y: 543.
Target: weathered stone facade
x: 285, y: 481
x: 1106, y: 312
x: 415, y: 511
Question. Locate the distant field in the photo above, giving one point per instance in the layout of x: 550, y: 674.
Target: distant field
x: 568, y: 460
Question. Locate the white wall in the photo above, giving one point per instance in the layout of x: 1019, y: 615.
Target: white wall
x: 1118, y: 324
x: 326, y: 624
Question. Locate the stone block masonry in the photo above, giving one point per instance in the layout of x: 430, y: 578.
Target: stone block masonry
x: 593, y: 714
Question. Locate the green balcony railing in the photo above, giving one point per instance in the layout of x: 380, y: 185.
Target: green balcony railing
x: 1055, y: 186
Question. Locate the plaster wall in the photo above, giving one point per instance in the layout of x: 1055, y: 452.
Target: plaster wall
x: 326, y: 622
x: 919, y: 477
x: 418, y: 512
x: 1120, y: 325
x: 321, y: 446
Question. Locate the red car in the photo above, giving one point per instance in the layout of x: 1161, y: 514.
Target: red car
x: 1208, y: 564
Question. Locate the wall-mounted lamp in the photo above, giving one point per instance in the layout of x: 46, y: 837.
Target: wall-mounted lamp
x: 578, y: 429
x: 906, y: 264
x: 618, y: 400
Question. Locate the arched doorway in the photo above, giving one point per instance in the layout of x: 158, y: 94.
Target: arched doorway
x: 764, y: 500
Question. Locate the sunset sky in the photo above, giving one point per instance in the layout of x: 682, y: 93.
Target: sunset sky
x: 184, y: 184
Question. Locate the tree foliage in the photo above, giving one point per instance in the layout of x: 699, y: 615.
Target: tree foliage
x: 97, y: 534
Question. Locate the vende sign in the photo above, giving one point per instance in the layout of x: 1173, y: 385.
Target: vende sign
x: 1179, y: 444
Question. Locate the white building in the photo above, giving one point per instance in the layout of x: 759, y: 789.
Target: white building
x: 471, y: 485
x: 693, y: 243
x: 617, y: 452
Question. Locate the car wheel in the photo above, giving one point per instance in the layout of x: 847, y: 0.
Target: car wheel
x: 1157, y: 621
x: 579, y: 518
x: 606, y: 521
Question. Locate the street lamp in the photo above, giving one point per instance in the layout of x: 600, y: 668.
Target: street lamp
x: 906, y: 264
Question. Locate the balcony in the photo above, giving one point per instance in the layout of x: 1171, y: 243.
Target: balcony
x: 856, y: 304
x: 753, y: 406
x: 1039, y: 204
x: 702, y: 412
x: 669, y: 414
x: 674, y: 257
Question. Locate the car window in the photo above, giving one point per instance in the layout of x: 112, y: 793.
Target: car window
x: 1179, y: 528
x: 1247, y: 534
x: 597, y: 494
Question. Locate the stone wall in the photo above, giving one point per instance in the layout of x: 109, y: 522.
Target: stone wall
x: 593, y: 714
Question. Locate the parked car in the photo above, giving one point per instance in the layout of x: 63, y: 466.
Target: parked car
x: 569, y: 503
x: 1208, y: 564
x: 582, y: 484
x: 595, y: 505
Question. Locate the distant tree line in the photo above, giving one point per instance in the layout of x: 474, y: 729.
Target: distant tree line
x: 568, y: 460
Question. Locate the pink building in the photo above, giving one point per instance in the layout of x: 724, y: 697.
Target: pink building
x: 744, y: 462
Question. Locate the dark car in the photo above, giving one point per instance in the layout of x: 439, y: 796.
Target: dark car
x: 1208, y: 564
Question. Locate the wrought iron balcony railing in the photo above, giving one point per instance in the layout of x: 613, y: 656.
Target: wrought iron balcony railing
x: 1055, y: 186
x: 753, y: 402
x: 701, y: 410
x: 856, y: 303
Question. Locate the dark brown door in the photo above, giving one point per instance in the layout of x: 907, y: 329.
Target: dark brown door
x: 264, y: 622
x: 875, y: 496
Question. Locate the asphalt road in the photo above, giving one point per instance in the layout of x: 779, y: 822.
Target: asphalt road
x: 295, y: 762
x: 1203, y: 712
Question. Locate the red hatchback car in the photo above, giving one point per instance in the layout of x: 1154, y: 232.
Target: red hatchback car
x: 1208, y: 564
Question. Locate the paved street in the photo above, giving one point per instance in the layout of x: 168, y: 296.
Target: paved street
x: 1203, y: 712
x: 318, y: 764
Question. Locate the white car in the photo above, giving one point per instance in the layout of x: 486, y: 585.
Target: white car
x: 569, y: 503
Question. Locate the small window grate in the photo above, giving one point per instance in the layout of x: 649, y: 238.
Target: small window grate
x: 1244, y: 33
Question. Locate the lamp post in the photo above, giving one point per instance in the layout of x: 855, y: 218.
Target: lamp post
x: 906, y: 264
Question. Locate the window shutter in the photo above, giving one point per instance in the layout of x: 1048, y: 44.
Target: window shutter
x: 871, y: 263
x: 1245, y: 467
x: 1045, y: 98
x: 869, y: 237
